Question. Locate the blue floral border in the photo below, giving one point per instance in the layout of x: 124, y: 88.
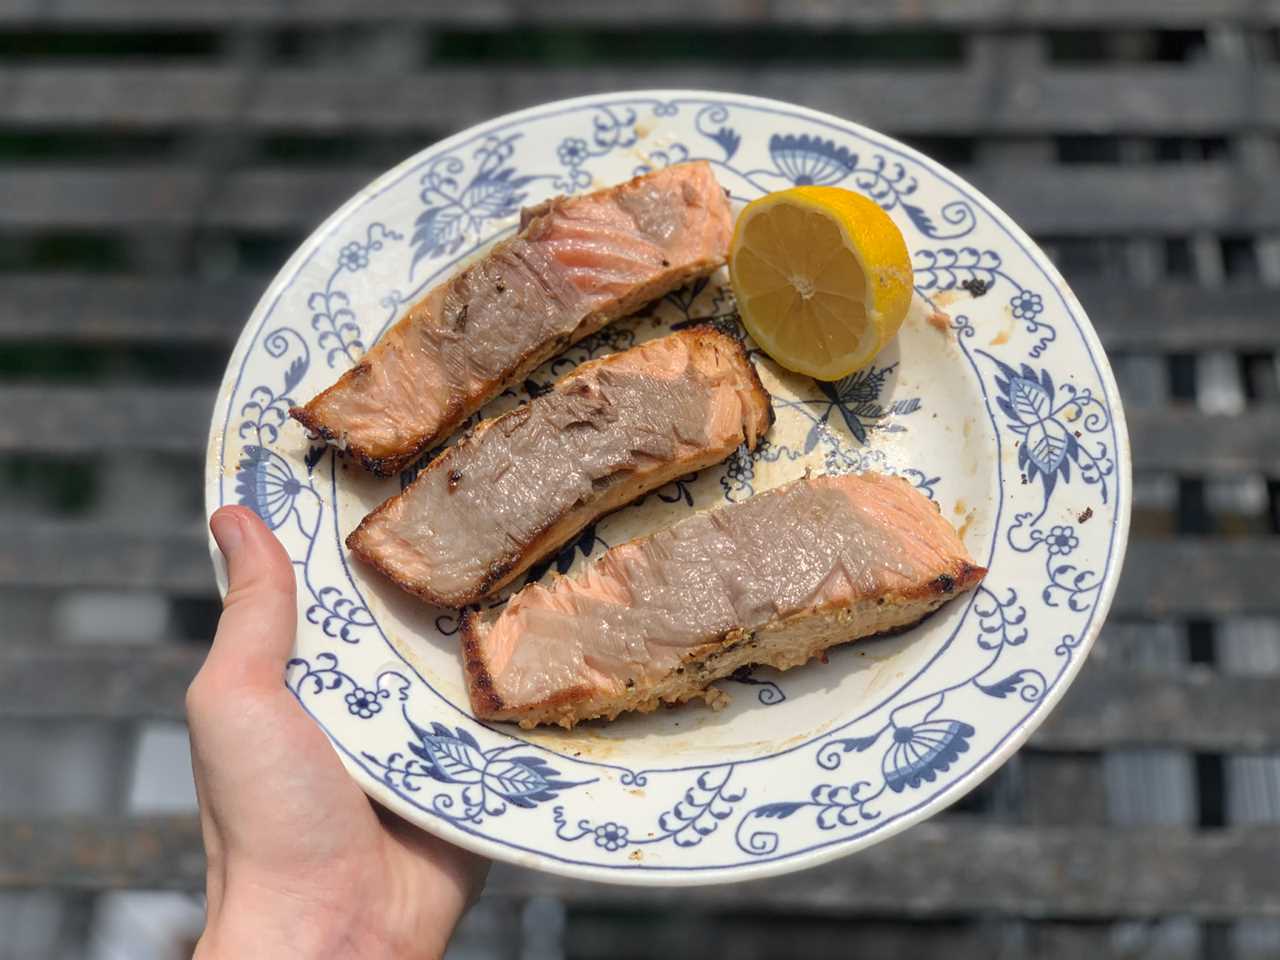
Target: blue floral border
x: 335, y: 614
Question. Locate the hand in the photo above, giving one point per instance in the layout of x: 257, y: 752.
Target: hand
x: 300, y: 862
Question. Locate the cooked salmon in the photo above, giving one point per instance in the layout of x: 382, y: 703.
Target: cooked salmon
x: 577, y: 264
x: 520, y: 486
x: 775, y: 580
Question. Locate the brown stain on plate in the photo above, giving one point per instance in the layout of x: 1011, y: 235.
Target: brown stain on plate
x: 939, y: 321
x: 1005, y: 332
x: 582, y: 742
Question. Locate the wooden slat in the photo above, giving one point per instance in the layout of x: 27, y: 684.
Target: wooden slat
x: 1173, y: 938
x: 927, y: 871
x: 76, y: 555
x: 1132, y: 99
x: 1061, y: 789
x: 1195, y: 709
x: 97, y: 682
x: 73, y: 419
x: 159, y: 853
x: 1065, y: 201
x: 1089, y: 200
x: 1188, y: 577
x: 1105, y: 708
x: 504, y: 13
x: 44, y: 419
x: 1246, y: 443
x: 79, y: 308
x: 159, y: 196
x: 98, y: 196
x: 1181, y: 316
x: 956, y: 867
x: 639, y: 934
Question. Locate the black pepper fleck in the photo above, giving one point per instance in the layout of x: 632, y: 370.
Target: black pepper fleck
x: 975, y: 286
x: 455, y: 478
x: 460, y: 318
x: 1085, y: 516
x: 666, y: 262
x: 945, y: 583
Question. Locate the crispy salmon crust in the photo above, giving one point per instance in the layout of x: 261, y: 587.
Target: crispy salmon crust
x: 605, y: 434
x: 919, y: 565
x: 577, y: 264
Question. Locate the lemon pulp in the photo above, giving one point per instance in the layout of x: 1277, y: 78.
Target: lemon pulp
x: 822, y: 277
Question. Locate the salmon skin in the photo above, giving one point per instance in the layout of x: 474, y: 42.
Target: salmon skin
x: 774, y: 580
x: 520, y: 486
x: 577, y: 264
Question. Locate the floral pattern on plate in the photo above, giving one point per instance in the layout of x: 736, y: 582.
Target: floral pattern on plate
x: 995, y: 401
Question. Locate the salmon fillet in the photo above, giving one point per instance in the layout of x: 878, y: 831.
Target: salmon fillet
x: 775, y: 580
x: 520, y: 486
x: 577, y: 264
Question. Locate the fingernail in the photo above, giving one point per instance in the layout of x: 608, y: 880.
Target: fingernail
x: 227, y: 531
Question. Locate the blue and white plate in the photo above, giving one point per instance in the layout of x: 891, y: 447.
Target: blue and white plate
x: 1004, y: 412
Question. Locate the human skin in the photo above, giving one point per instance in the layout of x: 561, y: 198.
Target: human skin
x: 300, y: 862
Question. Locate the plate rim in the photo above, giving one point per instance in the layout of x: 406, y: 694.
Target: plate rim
x: 637, y: 875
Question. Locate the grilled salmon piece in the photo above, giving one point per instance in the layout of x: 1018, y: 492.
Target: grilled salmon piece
x: 520, y: 486
x: 577, y: 264
x: 774, y: 580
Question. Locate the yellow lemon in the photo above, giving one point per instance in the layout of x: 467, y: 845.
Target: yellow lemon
x: 822, y: 276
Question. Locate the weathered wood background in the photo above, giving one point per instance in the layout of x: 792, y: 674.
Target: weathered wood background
x: 160, y: 158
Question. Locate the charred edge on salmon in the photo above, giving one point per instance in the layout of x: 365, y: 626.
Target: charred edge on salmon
x: 740, y: 350
x: 390, y: 466
x: 484, y: 700
x: 378, y: 466
x: 493, y: 573
x: 354, y: 544
x: 483, y: 697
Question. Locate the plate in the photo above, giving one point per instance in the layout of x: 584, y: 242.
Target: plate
x: 995, y: 401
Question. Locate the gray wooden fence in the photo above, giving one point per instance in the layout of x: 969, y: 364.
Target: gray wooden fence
x: 160, y: 158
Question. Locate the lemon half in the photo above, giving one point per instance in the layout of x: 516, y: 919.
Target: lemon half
x: 822, y: 276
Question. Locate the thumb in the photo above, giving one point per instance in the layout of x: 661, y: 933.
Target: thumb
x: 259, y: 613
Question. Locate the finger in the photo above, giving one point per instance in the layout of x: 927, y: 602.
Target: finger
x: 259, y: 613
